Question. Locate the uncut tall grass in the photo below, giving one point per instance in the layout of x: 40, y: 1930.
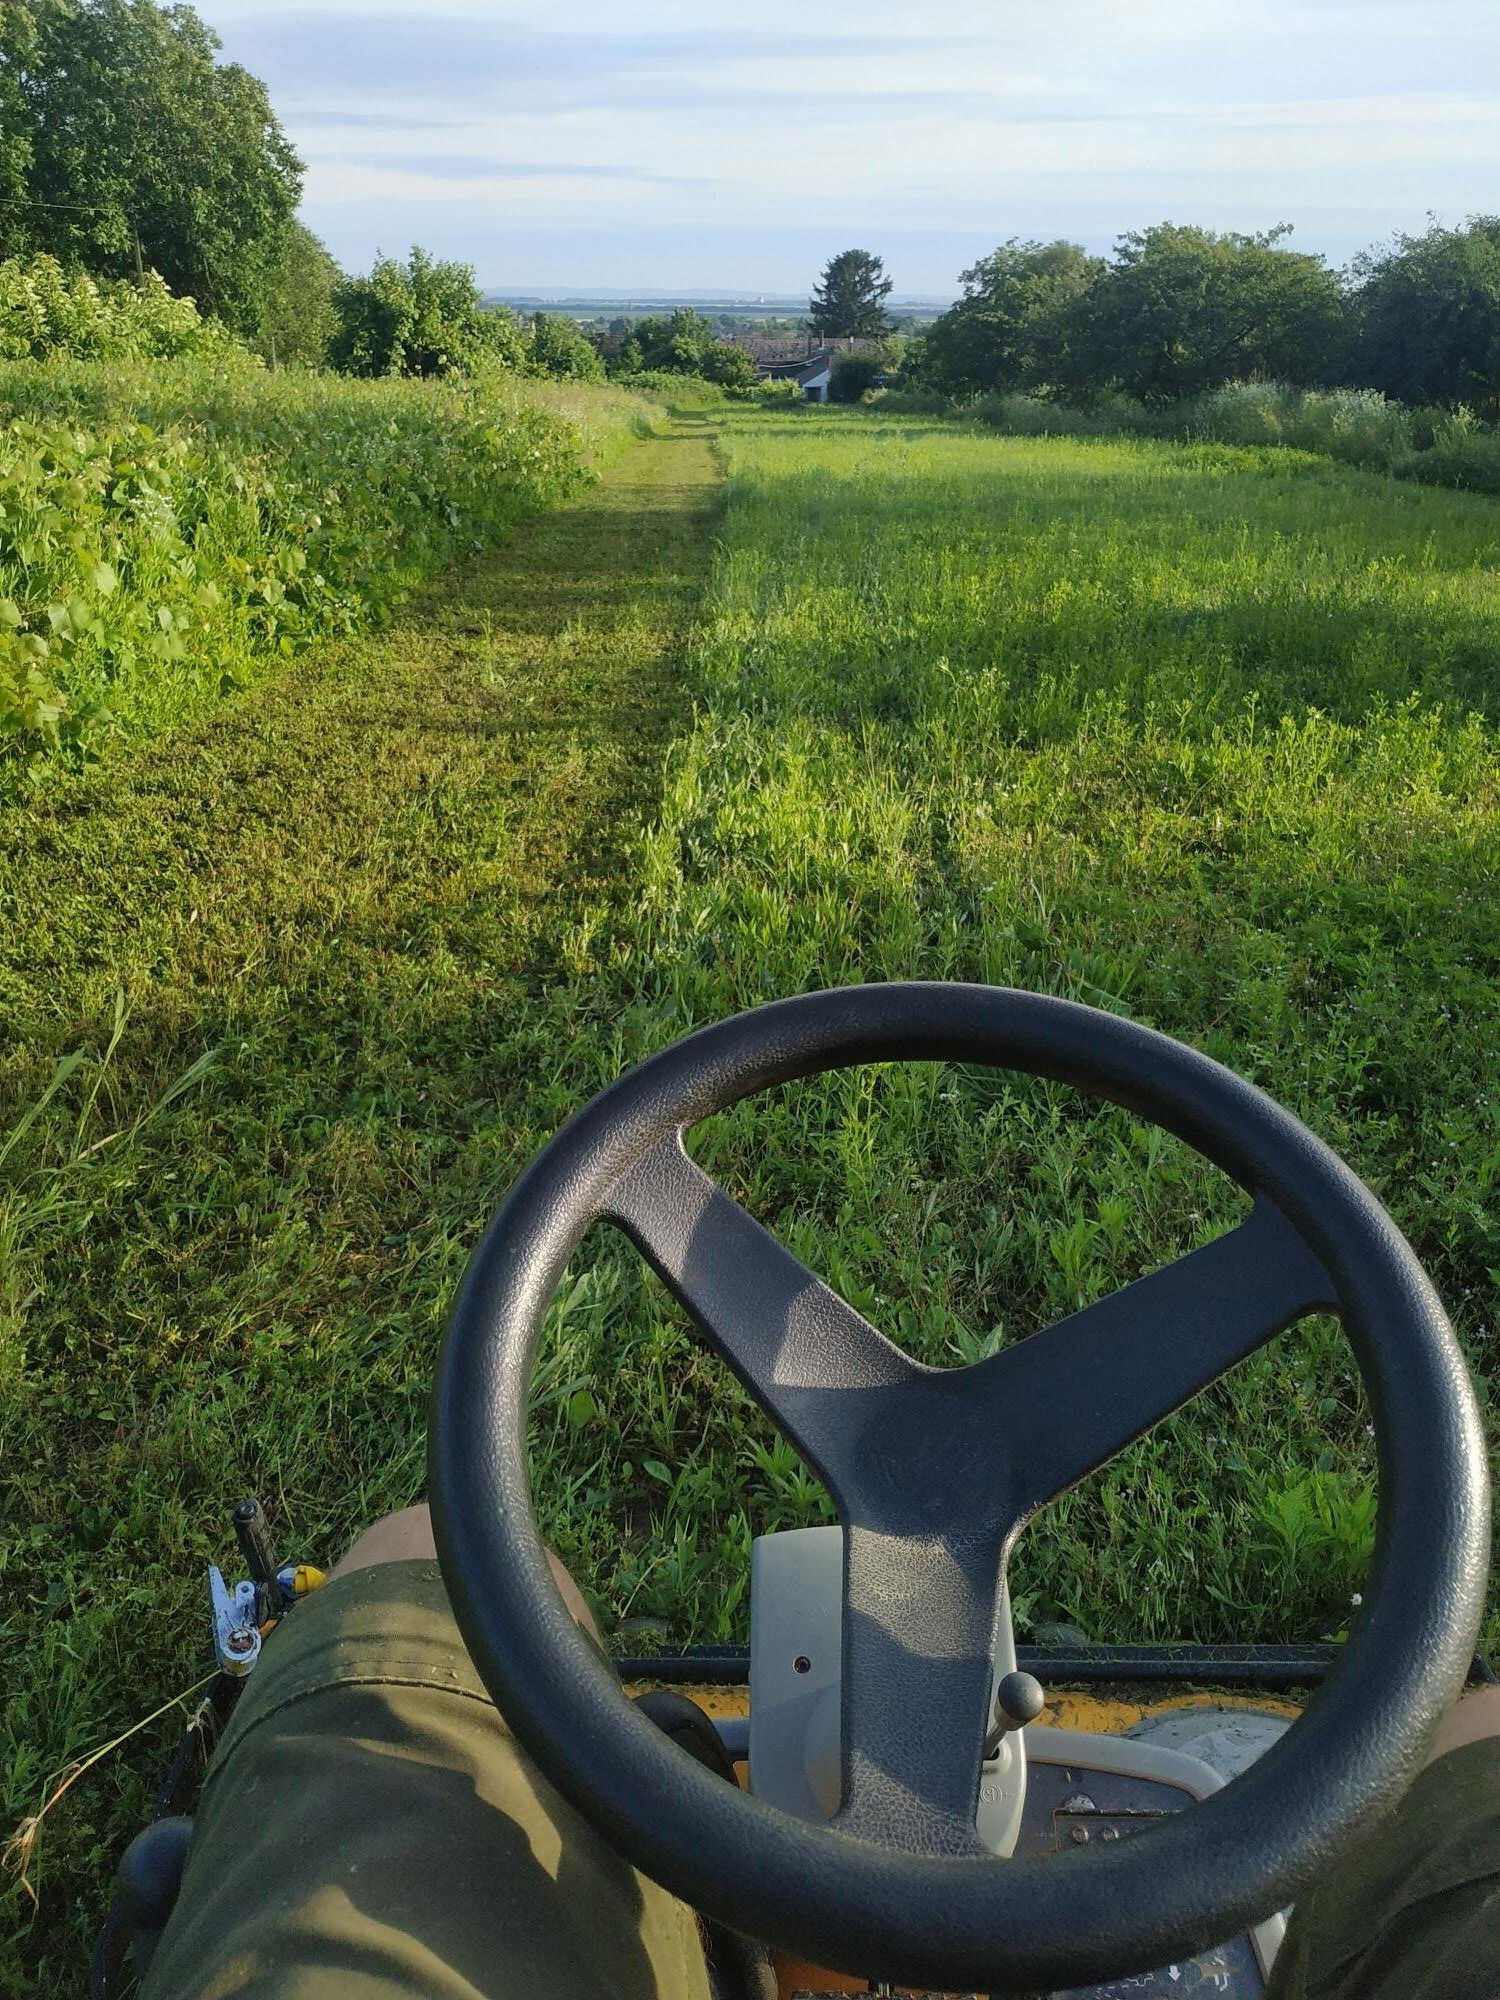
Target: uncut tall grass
x: 1435, y: 446
x: 1200, y: 734
x: 170, y: 530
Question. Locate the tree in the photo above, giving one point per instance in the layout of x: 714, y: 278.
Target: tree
x: 1427, y: 316
x: 849, y: 302
x: 685, y: 344
x: 853, y: 374
x: 730, y: 366
x: 558, y: 348
x: 675, y: 345
x: 1181, y: 310
x: 18, y: 38
x: 126, y: 131
x: 423, y: 317
x: 1011, y: 327
x: 297, y: 315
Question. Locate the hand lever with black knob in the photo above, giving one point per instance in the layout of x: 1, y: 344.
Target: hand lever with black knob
x: 1019, y: 1699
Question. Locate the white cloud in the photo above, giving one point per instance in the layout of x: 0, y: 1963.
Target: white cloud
x: 960, y: 120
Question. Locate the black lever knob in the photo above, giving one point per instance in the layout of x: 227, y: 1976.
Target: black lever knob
x: 1019, y: 1699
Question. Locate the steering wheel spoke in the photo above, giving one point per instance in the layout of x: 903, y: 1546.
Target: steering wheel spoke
x: 919, y: 1637
x: 805, y: 1354
x: 1067, y: 1399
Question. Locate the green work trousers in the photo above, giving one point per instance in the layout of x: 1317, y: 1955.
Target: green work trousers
x: 370, y: 1830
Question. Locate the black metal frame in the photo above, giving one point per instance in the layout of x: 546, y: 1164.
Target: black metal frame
x: 1063, y: 1667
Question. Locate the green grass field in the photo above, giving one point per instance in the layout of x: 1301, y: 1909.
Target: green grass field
x: 1201, y: 734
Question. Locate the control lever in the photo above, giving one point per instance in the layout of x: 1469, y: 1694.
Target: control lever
x: 1019, y: 1699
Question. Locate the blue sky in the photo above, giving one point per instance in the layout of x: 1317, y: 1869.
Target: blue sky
x: 590, y: 144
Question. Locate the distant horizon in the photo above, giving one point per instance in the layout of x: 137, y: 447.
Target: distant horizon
x: 726, y: 295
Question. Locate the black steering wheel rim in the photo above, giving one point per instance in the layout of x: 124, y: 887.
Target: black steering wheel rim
x: 961, y: 1921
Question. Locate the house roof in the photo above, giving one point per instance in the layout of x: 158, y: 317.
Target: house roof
x: 804, y: 371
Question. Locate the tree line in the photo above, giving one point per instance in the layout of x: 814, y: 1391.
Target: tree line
x: 1177, y: 311
x: 128, y: 148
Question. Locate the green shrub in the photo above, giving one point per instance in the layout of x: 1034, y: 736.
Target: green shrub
x: 780, y: 389
x: 1356, y: 426
x: 297, y: 320
x: 853, y: 376
x: 423, y: 317
x: 556, y: 347
x: 916, y: 402
x: 677, y: 391
x: 167, y: 531
x: 1028, y: 416
x: 45, y: 310
x: 1464, y: 458
x: 685, y: 344
x: 733, y: 368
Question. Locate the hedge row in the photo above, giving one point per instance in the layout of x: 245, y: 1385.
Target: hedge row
x: 168, y: 529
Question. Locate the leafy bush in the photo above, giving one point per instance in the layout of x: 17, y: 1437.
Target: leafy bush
x: 297, y: 320
x: 166, y: 532
x: 1458, y: 456
x: 556, y: 347
x: 685, y: 344
x: 423, y: 317
x: 677, y: 391
x: 779, y: 389
x: 45, y: 310
x: 915, y: 401
x: 853, y: 375
x: 733, y: 368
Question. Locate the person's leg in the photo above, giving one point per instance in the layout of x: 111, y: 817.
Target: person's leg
x: 1414, y: 1913
x: 407, y: 1537
x: 1474, y: 1719
x: 370, y: 1830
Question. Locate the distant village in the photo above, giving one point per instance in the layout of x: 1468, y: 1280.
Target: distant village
x: 781, y: 344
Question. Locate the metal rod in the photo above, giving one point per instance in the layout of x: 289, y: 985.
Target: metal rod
x: 1228, y: 1666
x: 254, y: 1538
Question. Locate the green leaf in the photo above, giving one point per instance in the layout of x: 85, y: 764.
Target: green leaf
x: 104, y: 578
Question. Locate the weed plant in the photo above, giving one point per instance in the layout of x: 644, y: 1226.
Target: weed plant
x: 47, y: 311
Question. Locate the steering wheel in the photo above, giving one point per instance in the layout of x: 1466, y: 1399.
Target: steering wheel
x: 933, y: 1472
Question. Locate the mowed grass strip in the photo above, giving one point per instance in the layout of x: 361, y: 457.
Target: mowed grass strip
x: 328, y: 921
